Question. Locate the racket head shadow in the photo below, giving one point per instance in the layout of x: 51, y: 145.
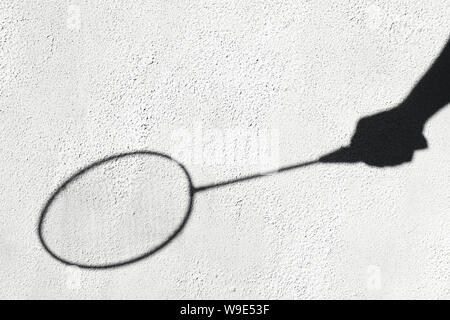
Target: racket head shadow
x: 79, y: 174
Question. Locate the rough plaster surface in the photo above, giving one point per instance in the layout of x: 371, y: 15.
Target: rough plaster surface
x: 82, y: 80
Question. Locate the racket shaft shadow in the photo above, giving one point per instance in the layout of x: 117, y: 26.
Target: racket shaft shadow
x: 255, y: 176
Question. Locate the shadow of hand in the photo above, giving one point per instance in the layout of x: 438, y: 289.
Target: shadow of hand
x: 388, y: 138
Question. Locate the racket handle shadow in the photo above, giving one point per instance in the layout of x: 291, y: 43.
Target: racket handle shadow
x: 341, y: 155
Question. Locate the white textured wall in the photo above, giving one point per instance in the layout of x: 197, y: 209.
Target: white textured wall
x: 81, y: 80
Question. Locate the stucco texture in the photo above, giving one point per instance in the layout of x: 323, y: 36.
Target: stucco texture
x: 83, y: 80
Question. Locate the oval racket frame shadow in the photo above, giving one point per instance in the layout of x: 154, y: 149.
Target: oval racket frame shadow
x: 98, y: 163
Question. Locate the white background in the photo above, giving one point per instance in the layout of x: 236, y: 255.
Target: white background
x: 81, y: 80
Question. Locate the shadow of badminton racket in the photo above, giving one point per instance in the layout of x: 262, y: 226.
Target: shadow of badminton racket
x: 341, y: 155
